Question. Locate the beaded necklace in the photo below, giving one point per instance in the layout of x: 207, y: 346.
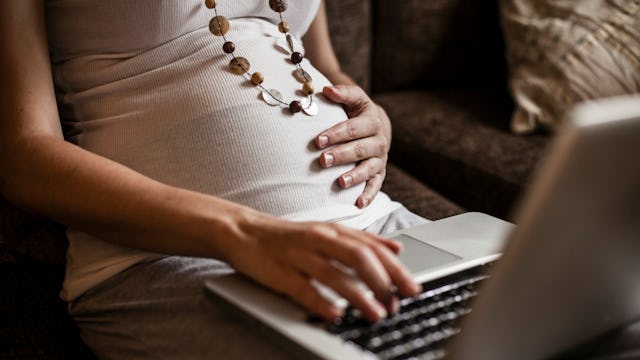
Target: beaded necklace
x: 219, y: 26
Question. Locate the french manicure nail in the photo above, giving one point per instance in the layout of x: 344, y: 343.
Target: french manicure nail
x: 323, y: 140
x: 347, y: 180
x: 328, y: 160
x: 382, y: 313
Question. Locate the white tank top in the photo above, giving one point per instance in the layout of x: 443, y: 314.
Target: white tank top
x: 145, y: 84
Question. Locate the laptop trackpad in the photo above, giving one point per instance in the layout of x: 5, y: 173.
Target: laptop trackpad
x: 418, y: 256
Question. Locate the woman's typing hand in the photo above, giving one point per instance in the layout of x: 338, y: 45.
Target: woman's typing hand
x: 364, y: 138
x: 287, y: 256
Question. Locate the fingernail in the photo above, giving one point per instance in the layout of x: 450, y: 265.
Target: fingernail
x: 336, y: 312
x: 323, y: 140
x: 365, y: 202
x: 417, y: 288
x: 393, y: 305
x: 380, y: 311
x: 328, y: 159
x: 347, y: 180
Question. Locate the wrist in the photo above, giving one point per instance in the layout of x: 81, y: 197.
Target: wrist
x: 232, y: 231
x: 200, y: 225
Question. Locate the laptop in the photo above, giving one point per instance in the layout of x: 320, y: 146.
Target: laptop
x: 568, y: 272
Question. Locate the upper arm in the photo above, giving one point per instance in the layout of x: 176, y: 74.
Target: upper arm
x: 27, y: 96
x: 317, y: 43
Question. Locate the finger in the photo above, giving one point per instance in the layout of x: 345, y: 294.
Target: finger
x: 349, y: 130
x: 364, y: 171
x: 400, y: 276
x: 299, y: 288
x: 354, y: 99
x: 394, y: 246
x: 354, y: 151
x: 401, y: 279
x: 352, y: 248
x: 371, y: 190
x: 323, y: 270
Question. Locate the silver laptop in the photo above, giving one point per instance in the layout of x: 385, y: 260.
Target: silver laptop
x: 568, y: 272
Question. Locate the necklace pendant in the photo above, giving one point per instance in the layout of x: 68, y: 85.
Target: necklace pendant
x: 302, y: 76
x: 290, y: 42
x: 309, y: 107
x: 272, y: 97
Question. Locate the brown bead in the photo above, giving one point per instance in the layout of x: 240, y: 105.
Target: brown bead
x: 295, y: 106
x: 239, y: 65
x: 307, y: 88
x: 290, y: 42
x: 284, y: 27
x: 229, y: 47
x: 219, y: 25
x: 257, y: 78
x: 211, y: 4
x: 296, y: 57
x: 278, y: 5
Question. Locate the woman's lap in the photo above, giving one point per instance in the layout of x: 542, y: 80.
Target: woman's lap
x: 158, y: 310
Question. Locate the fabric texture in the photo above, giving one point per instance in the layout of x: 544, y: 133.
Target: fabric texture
x: 425, y: 45
x: 133, y: 26
x: 416, y: 196
x: 350, y: 27
x: 25, y: 237
x: 458, y: 142
x: 565, y: 52
x: 131, y: 315
x: 34, y: 323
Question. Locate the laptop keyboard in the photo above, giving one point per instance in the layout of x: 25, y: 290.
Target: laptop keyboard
x: 422, y: 326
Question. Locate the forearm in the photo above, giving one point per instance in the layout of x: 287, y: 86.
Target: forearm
x: 93, y: 194
x: 338, y: 77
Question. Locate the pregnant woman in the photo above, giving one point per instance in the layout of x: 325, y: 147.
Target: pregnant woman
x: 180, y: 140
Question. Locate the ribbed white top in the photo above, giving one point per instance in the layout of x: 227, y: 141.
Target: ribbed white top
x: 168, y: 107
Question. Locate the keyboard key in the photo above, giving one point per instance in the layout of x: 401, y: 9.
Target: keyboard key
x: 422, y: 326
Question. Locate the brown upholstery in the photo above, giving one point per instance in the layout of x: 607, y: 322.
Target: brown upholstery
x: 416, y: 196
x: 438, y: 68
x: 449, y: 140
x: 350, y: 28
x: 439, y: 44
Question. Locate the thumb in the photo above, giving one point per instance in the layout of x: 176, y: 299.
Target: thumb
x: 352, y: 97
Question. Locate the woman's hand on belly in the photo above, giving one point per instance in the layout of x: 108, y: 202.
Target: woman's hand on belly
x: 364, y: 138
x: 287, y: 256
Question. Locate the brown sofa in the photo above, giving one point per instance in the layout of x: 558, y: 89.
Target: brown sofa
x: 439, y: 70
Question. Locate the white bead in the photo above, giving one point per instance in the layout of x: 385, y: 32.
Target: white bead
x: 309, y: 107
x: 272, y: 97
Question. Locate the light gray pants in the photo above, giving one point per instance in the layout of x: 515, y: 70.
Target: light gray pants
x: 157, y: 310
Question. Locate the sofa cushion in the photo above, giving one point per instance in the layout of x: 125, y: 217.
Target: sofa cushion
x: 26, y: 237
x: 437, y: 44
x: 416, y: 196
x: 350, y: 29
x: 458, y: 142
x: 34, y: 321
x: 561, y: 53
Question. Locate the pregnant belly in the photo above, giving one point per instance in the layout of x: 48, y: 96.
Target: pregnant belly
x: 189, y: 122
